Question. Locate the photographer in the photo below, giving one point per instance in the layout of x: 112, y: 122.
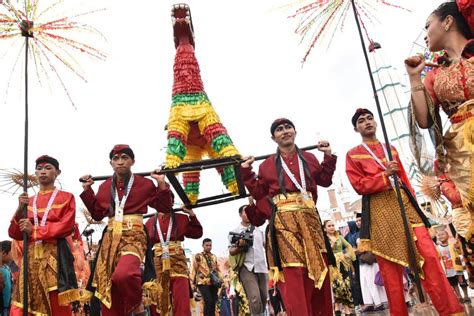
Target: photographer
x: 247, y: 248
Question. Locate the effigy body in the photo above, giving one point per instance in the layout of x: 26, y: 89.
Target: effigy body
x: 194, y: 128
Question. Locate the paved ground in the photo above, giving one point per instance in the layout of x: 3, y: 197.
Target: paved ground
x: 426, y: 311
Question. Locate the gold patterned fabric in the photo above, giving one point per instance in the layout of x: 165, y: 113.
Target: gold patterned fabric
x: 42, y: 279
x: 458, y: 142
x: 452, y: 88
x: 201, y: 274
x: 299, y: 237
x: 133, y: 241
x: 179, y: 268
x: 387, y: 233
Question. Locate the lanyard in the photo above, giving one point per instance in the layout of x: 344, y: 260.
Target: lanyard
x: 120, y: 205
x: 377, y: 159
x: 301, y: 187
x: 165, y: 244
x: 38, y: 252
x: 46, y: 212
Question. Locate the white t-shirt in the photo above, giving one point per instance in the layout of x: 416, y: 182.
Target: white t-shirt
x: 255, y: 260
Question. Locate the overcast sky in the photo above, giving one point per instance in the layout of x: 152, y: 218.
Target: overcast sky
x: 250, y: 63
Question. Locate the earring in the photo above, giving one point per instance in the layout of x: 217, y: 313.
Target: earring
x: 446, y: 28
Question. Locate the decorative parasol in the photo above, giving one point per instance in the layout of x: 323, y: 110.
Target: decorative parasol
x: 11, y: 180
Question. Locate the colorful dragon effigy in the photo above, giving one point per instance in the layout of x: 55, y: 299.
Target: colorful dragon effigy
x: 194, y: 128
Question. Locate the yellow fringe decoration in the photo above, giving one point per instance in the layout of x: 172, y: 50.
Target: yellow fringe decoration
x: 191, y: 113
x: 179, y: 126
x: 228, y: 151
x: 172, y: 161
x: 192, y: 198
x: 233, y: 187
x: 193, y: 153
x: 67, y: 297
x: 208, y: 120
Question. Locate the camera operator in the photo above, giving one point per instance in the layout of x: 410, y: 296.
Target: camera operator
x: 247, y: 241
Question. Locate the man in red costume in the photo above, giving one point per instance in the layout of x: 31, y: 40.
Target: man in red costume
x: 124, y: 198
x: 167, y: 231
x: 286, y: 191
x: 52, y: 285
x: 370, y: 173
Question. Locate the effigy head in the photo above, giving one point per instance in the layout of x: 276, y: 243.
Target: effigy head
x: 183, y: 30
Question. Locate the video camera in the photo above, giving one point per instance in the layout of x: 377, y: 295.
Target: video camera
x: 88, y: 232
x: 246, y: 235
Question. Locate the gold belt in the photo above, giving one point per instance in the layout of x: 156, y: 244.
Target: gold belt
x: 130, y: 222
x: 294, y: 201
x: 174, y: 248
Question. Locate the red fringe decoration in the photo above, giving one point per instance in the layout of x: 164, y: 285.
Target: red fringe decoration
x: 214, y: 130
x: 177, y: 135
x: 187, y: 75
x: 190, y: 177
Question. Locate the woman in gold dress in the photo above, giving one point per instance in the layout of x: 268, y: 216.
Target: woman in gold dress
x: 449, y: 87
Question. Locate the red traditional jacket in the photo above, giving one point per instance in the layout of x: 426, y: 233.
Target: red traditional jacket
x: 60, y: 221
x: 142, y: 194
x: 366, y: 175
x: 266, y: 183
x: 184, y: 226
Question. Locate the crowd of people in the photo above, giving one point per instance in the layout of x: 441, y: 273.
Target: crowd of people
x: 300, y: 264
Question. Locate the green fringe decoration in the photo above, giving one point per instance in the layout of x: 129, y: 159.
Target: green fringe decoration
x: 192, y: 187
x: 176, y: 148
x: 220, y: 142
x: 189, y: 99
x: 228, y: 175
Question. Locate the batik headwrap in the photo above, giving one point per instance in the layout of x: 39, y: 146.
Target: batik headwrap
x: 278, y: 122
x: 122, y: 149
x: 47, y: 159
x: 359, y: 112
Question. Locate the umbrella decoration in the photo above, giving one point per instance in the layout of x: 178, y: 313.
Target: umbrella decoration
x: 323, y: 18
x: 11, y: 180
x: 56, y: 42
x: 51, y: 39
x: 320, y: 20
